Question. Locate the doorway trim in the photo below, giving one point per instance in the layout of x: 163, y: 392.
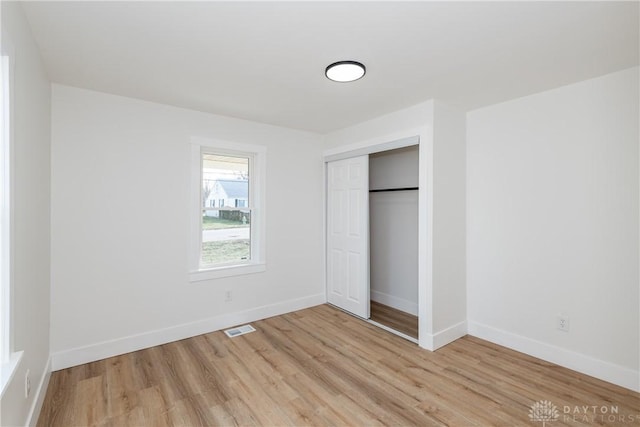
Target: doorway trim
x: 423, y: 138
x: 371, y: 149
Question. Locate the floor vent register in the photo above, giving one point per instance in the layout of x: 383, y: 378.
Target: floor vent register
x: 239, y: 330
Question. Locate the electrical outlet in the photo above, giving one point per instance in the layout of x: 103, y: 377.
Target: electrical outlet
x: 228, y: 297
x: 563, y: 322
x: 27, y: 384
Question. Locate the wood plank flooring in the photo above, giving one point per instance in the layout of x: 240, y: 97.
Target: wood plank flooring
x: 395, y: 319
x: 321, y: 367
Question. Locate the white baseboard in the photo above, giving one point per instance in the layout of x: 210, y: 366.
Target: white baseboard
x: 395, y: 302
x: 619, y: 375
x: 80, y: 355
x: 41, y: 392
x: 449, y: 335
x: 432, y: 342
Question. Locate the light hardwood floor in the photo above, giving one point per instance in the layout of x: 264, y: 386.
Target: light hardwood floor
x: 320, y: 367
x: 395, y: 319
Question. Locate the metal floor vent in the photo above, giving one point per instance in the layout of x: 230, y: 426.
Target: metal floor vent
x: 240, y: 330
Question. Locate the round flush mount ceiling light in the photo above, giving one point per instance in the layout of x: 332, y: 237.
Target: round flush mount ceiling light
x: 345, y: 71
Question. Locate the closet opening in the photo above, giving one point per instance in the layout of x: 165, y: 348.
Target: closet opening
x: 393, y: 240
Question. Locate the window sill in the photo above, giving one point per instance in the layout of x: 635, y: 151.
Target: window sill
x: 8, y: 370
x: 220, y: 272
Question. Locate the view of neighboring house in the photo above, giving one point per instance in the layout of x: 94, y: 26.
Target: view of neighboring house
x: 227, y: 193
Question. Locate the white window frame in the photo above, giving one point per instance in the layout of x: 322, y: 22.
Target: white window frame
x: 9, y: 359
x: 257, y: 178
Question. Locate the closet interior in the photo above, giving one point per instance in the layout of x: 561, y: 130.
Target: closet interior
x: 393, y: 239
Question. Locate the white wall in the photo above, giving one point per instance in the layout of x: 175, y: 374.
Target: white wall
x: 449, y: 223
x: 393, y: 224
x: 394, y: 168
x: 553, y: 225
x: 31, y: 231
x: 120, y: 221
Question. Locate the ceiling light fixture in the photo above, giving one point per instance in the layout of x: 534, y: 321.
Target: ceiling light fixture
x: 345, y: 71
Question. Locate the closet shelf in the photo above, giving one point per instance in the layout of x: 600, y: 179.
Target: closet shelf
x: 393, y: 189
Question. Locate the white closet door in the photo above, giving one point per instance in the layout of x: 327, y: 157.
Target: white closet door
x: 348, y: 235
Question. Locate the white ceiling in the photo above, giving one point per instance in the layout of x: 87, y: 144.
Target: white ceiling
x: 265, y: 61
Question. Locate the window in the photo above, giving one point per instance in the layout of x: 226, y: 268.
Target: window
x: 5, y: 222
x: 227, y: 223
x: 226, y: 232
x: 9, y: 360
x: 4, y: 95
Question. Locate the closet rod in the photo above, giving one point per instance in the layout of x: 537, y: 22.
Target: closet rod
x: 393, y: 189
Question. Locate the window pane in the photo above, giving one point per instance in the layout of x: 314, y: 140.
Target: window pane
x: 225, y: 179
x: 226, y: 237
